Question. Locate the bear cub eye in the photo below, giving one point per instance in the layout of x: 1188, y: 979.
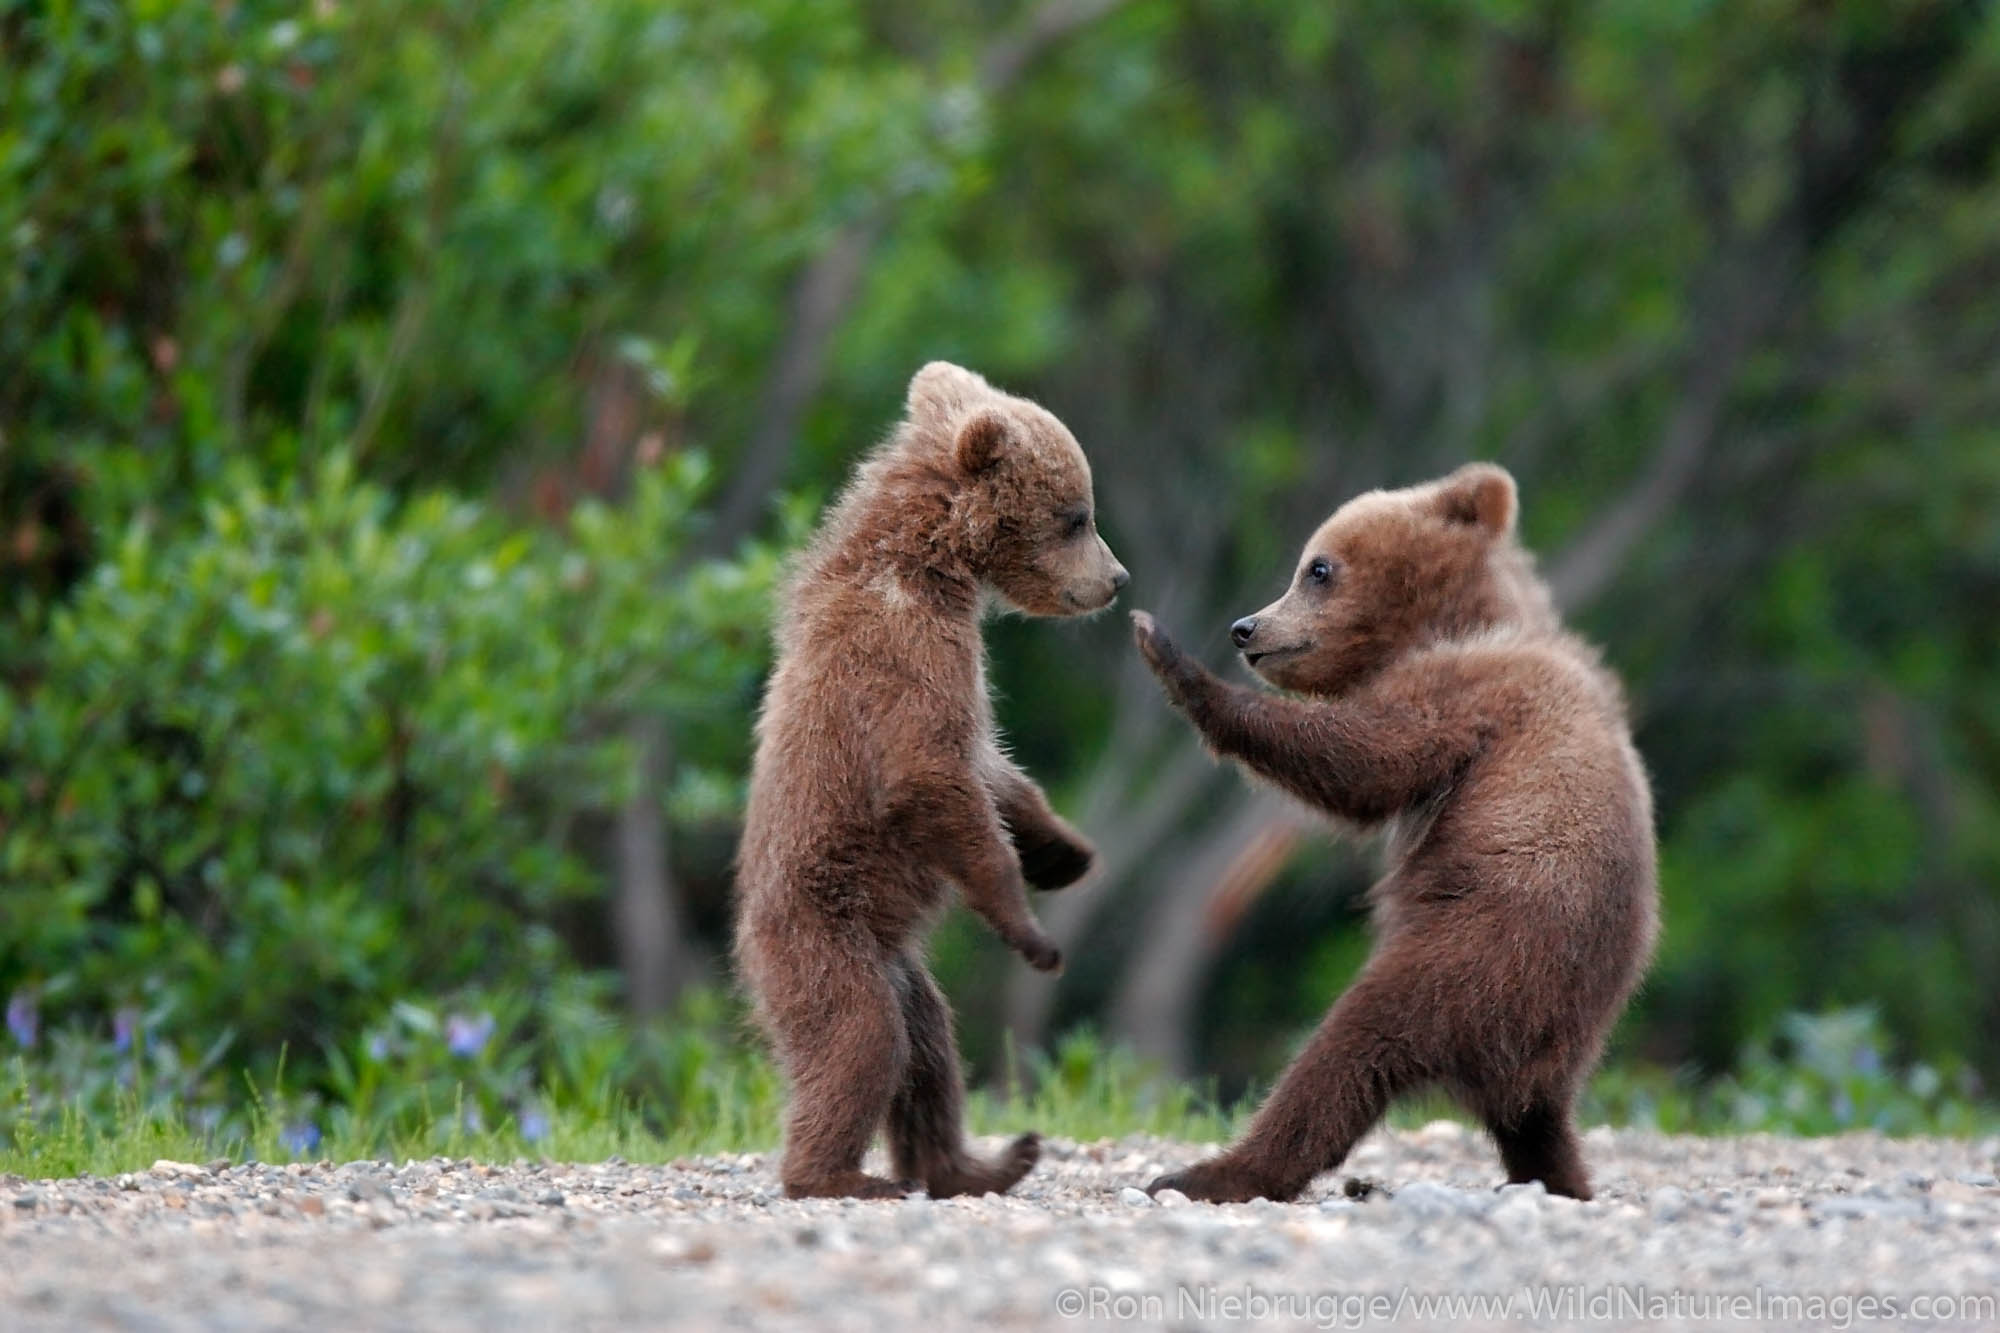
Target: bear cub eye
x: 1320, y: 571
x: 1075, y: 522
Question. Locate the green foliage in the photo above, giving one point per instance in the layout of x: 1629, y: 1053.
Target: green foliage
x: 329, y: 750
x: 264, y: 230
x: 553, y: 1074
x: 302, y: 719
x: 1825, y: 1073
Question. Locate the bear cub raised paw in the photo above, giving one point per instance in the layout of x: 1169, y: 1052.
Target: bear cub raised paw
x: 879, y: 779
x: 1434, y: 694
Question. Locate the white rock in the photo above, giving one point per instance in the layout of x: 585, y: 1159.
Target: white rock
x: 1425, y: 1199
x: 1137, y: 1198
x: 1440, y: 1131
x: 1519, y: 1209
x: 1668, y: 1203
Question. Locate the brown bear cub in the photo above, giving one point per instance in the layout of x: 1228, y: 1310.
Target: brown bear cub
x: 879, y: 776
x: 1441, y: 699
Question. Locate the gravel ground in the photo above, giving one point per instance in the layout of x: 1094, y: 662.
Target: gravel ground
x: 1685, y: 1232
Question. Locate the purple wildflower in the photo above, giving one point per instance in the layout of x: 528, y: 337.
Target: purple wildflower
x: 534, y: 1126
x: 378, y: 1047
x: 124, y: 1027
x: 300, y: 1139
x: 467, y: 1036
x: 24, y: 1019
x: 471, y: 1121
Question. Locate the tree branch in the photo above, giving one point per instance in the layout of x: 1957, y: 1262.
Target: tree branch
x: 1757, y: 299
x: 1007, y: 59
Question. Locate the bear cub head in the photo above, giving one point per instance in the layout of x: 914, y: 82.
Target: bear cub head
x: 1022, y: 514
x: 1393, y: 572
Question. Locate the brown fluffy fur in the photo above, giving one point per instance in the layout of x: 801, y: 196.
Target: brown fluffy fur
x: 1443, y: 701
x: 879, y: 777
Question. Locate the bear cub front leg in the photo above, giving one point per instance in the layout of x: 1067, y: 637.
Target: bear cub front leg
x: 990, y: 879
x: 1053, y: 855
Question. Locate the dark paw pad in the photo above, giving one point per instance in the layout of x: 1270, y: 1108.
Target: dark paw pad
x: 1053, y: 865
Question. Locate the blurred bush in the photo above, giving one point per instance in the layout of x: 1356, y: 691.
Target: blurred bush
x: 348, y: 507
x: 328, y: 750
x: 256, y: 230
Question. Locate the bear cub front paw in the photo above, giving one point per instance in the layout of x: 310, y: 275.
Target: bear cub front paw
x: 1055, y: 863
x: 1039, y: 951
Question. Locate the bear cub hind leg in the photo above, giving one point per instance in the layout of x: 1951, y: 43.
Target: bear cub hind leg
x: 847, y: 1053
x: 926, y: 1114
x: 1541, y: 1144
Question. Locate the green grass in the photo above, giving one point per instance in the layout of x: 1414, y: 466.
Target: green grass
x: 1081, y: 1091
x: 1821, y: 1074
x: 75, y: 1145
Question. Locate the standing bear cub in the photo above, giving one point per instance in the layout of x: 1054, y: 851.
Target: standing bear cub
x: 1441, y: 700
x: 879, y: 777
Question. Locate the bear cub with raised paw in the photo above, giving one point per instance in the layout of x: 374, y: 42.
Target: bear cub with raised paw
x: 879, y: 779
x: 1433, y: 693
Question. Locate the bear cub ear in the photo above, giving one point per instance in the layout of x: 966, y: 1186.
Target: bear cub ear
x: 981, y: 440
x: 942, y: 392
x: 1481, y: 494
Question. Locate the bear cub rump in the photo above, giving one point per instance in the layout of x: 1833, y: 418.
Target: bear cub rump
x: 1435, y: 694
x: 879, y: 778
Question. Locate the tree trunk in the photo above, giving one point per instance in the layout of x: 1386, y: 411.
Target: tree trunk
x: 1154, y: 1010
x: 653, y: 947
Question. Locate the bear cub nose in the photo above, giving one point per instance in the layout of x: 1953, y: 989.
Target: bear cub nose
x: 1120, y: 579
x: 1243, y: 631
